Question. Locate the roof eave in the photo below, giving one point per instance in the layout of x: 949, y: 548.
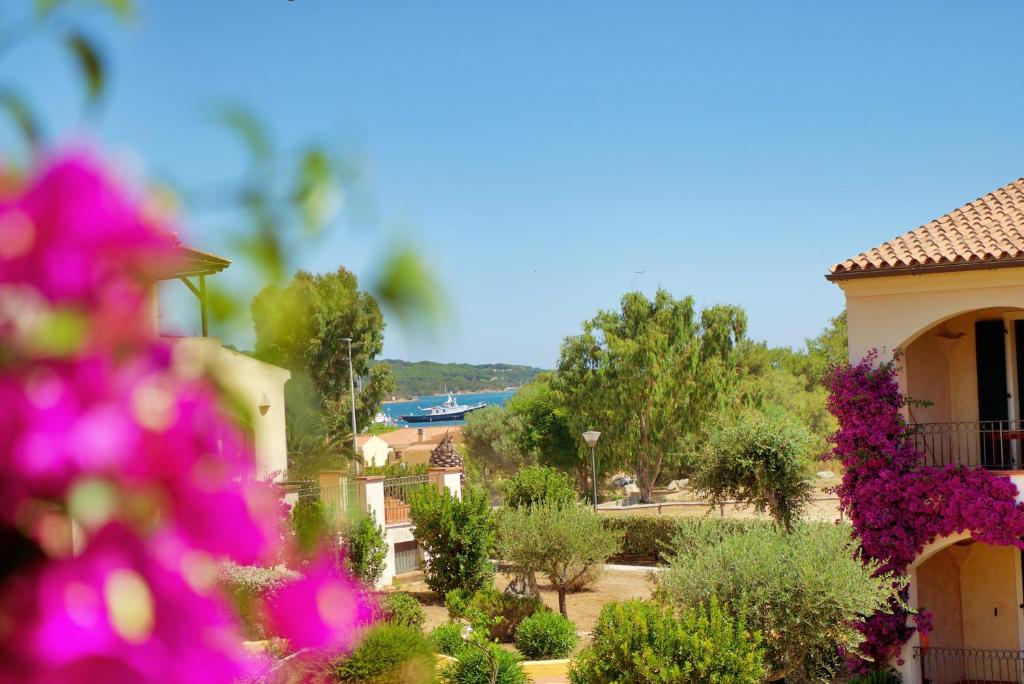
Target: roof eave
x: 922, y: 270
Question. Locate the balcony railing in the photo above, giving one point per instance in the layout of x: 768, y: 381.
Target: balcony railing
x: 990, y: 444
x: 397, y: 492
x: 970, y: 665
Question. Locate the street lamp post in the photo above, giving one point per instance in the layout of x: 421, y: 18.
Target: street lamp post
x: 352, y: 392
x: 590, y: 436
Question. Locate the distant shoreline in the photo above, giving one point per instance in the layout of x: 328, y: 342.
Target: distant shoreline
x: 402, y: 400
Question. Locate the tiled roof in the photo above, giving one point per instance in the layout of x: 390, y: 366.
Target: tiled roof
x: 988, y: 232
x: 403, y: 437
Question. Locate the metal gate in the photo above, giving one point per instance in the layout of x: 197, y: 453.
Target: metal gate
x: 408, y: 557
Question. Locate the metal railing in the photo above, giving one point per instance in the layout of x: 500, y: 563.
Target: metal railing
x: 941, y: 665
x: 397, y: 492
x: 341, y: 502
x: 989, y: 444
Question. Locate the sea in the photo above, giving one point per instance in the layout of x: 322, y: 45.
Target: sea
x: 396, y: 409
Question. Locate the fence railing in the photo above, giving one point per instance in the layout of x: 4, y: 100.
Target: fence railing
x: 397, y: 492
x: 962, y: 665
x: 989, y: 444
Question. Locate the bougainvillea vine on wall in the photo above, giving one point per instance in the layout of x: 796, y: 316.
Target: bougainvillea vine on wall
x: 898, y: 505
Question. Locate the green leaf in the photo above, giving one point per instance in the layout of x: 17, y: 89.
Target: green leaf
x: 318, y: 192
x: 122, y: 9
x: 22, y: 117
x: 407, y: 286
x: 90, y: 63
x: 249, y: 129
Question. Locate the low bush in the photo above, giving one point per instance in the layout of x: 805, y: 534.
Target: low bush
x: 539, y: 485
x: 457, y: 536
x: 644, y: 537
x: 389, y: 654
x: 447, y: 639
x: 546, y: 635
x: 246, y: 586
x: 366, y: 550
x: 456, y: 601
x: 887, y: 676
x: 397, y: 608
x: 803, y: 590
x: 475, y: 666
x: 502, y: 613
x: 638, y: 642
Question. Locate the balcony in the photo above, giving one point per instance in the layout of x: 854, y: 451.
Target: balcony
x: 990, y: 444
x: 970, y: 665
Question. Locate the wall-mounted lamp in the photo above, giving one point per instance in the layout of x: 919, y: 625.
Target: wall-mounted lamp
x: 264, y: 404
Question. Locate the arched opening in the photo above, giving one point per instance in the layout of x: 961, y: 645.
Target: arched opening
x: 964, y: 375
x: 972, y: 591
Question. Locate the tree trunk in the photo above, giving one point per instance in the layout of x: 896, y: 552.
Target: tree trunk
x: 561, y: 602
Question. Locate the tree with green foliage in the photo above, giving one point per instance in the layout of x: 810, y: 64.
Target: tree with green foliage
x: 758, y: 460
x: 647, y: 376
x: 488, y: 442
x: 366, y: 551
x: 539, y: 485
x: 803, y: 591
x: 640, y: 642
x: 457, y: 534
x: 541, y: 430
x: 564, y: 543
x: 303, y: 327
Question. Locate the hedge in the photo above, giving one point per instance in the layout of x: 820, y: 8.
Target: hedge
x: 654, y: 539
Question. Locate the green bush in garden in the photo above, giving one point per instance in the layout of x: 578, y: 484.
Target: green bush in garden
x: 457, y: 536
x: 389, y: 654
x: 878, y: 677
x: 501, y: 613
x: 640, y: 642
x: 397, y: 608
x: 546, y: 635
x: 802, y: 590
x: 645, y: 537
x: 457, y: 601
x: 539, y: 485
x: 475, y: 667
x: 366, y: 550
x: 447, y: 638
x: 245, y: 587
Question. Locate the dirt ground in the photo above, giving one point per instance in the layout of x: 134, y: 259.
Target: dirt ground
x: 583, y: 607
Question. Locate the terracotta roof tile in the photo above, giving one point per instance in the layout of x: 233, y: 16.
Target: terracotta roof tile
x: 989, y: 230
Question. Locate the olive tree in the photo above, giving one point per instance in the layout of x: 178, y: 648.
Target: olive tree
x: 759, y: 460
x: 564, y: 543
x: 801, y: 590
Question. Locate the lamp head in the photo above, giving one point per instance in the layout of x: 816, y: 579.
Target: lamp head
x: 264, y: 404
x: 590, y: 436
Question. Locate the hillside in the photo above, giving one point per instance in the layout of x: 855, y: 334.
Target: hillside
x: 418, y: 378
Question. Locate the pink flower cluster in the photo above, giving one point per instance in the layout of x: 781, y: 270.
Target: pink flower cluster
x: 124, y: 483
x: 896, y: 504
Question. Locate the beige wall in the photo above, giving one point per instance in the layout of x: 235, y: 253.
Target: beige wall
x: 888, y: 313
x: 251, y: 382
x: 972, y: 593
x: 375, y: 451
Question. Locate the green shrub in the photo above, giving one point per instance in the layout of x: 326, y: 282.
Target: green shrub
x: 546, y: 635
x: 309, y: 524
x: 802, y: 590
x: 639, y: 642
x: 566, y: 544
x: 457, y: 536
x: 389, y: 654
x: 457, y: 601
x: 502, y: 612
x: 447, y: 638
x: 245, y: 587
x: 397, y: 608
x: 644, y: 537
x: 539, y: 485
x: 366, y: 550
x: 474, y: 667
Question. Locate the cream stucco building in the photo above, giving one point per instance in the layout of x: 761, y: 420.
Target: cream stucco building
x: 256, y: 387
x: 948, y: 297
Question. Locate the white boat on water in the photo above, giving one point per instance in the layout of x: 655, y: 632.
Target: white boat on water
x: 449, y: 410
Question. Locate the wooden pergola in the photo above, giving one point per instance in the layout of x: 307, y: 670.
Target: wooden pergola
x: 195, y: 266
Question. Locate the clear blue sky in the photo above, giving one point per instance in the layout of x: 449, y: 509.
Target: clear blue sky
x: 542, y: 154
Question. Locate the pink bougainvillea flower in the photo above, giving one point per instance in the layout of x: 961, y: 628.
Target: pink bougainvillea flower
x: 319, y: 610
